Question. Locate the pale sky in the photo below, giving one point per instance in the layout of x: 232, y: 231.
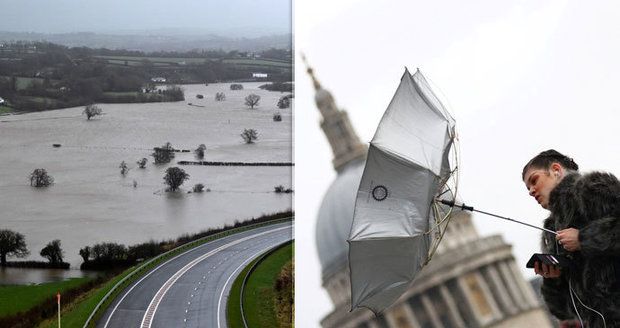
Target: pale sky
x: 519, y: 78
x: 111, y: 16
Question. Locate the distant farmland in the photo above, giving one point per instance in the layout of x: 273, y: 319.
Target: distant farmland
x: 176, y: 61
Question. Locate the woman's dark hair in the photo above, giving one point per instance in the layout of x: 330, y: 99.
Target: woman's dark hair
x: 548, y: 157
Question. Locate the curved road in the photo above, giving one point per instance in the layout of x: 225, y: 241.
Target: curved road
x: 191, y: 289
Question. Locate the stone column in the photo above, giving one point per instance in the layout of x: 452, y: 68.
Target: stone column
x: 430, y: 310
x: 372, y: 324
x: 525, y: 286
x: 504, y: 296
x: 455, y: 316
x: 473, y: 302
x: 402, y: 310
x: 488, y: 295
x: 512, y: 285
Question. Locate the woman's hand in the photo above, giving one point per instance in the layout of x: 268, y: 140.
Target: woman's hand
x: 547, y: 271
x: 569, y: 239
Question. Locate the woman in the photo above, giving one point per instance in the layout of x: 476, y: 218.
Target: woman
x: 585, y: 210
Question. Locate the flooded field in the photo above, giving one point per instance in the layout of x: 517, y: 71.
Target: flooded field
x: 92, y: 202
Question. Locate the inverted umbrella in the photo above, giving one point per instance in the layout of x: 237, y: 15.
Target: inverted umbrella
x: 397, y: 222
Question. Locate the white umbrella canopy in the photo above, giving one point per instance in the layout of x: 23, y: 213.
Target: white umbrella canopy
x: 407, y: 167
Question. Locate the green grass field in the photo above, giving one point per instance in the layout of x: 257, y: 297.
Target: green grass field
x: 233, y: 310
x: 75, y: 314
x: 258, y: 62
x: 259, y: 295
x: 134, y: 60
x: 127, y: 93
x: 24, y: 82
x: 5, y: 109
x: 162, y: 61
x: 18, y: 298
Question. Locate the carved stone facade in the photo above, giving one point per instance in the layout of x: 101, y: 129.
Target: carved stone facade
x: 472, y: 281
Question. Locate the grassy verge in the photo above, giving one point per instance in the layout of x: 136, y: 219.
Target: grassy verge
x: 76, y: 313
x: 259, y: 296
x: 233, y: 309
x: 20, y: 298
x: 5, y: 109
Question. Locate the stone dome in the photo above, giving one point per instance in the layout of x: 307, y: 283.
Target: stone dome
x: 335, y: 217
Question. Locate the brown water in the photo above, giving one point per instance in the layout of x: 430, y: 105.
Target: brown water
x: 91, y: 202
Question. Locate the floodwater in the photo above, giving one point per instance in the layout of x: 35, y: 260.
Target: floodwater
x: 91, y: 202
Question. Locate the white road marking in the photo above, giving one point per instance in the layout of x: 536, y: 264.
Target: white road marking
x: 152, y: 308
x: 219, y: 302
x: 148, y: 274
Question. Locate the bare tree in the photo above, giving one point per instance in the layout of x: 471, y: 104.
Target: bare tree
x: 175, y: 177
x: 40, y: 178
x: 220, y: 96
x: 12, y: 244
x: 277, y: 117
x: 252, y: 100
x: 91, y: 111
x: 249, y: 135
x: 52, y: 251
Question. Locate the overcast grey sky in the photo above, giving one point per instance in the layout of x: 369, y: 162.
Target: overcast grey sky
x: 520, y: 77
x: 60, y: 16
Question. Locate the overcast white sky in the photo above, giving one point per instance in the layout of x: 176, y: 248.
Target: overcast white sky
x: 211, y: 16
x: 520, y: 77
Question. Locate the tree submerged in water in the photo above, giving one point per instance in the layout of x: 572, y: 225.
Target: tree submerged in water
x: 142, y: 163
x: 200, y: 151
x: 284, y: 102
x: 252, y: 100
x: 91, y: 111
x: 199, y: 187
x: 12, y: 244
x: 52, y: 252
x: 40, y: 178
x: 163, y: 154
x: 175, y: 177
x: 124, y: 168
x: 249, y: 135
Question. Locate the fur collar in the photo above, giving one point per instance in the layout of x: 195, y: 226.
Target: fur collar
x: 563, y: 203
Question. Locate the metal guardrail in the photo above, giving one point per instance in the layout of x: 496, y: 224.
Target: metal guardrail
x: 189, y: 245
x: 252, y: 268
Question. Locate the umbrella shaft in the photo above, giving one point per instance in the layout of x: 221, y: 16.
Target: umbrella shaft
x: 471, y: 208
x: 516, y: 221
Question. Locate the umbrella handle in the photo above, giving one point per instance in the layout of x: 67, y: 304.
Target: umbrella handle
x: 451, y: 203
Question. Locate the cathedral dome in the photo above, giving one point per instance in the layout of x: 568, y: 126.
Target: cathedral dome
x: 335, y: 218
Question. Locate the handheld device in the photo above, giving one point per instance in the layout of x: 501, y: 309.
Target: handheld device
x: 548, y: 259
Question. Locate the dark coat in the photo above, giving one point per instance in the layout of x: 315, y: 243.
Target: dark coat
x: 590, y: 203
